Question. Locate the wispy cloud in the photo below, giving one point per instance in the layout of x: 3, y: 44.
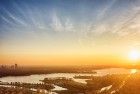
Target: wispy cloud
x: 56, y: 23
x: 17, y: 20
x: 6, y: 20
x: 66, y: 21
x: 69, y: 25
x: 59, y: 26
x: 106, y: 9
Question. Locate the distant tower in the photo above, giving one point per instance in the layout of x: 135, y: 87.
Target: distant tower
x: 16, y: 66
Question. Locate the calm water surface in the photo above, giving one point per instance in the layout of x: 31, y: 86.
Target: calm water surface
x: 37, y: 78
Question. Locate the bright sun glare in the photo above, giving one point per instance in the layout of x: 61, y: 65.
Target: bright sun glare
x: 133, y: 71
x: 134, y: 55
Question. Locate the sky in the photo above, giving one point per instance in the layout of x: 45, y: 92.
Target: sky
x: 68, y: 32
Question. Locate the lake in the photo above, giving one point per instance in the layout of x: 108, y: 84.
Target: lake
x: 37, y: 77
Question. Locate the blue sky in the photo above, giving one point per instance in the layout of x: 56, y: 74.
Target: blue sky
x: 48, y: 25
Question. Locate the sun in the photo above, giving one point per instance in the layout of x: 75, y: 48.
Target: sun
x: 134, y: 55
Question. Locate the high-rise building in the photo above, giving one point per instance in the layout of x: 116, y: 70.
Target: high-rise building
x: 16, y: 66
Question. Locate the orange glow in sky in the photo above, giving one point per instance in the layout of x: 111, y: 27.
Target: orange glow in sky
x: 71, y: 32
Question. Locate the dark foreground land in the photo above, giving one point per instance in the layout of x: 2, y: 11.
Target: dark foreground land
x: 109, y: 84
x: 11, y: 90
x: 114, y: 84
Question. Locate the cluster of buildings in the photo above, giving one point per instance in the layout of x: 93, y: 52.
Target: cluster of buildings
x: 15, y: 66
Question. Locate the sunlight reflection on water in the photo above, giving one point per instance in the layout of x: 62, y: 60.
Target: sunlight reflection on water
x: 133, y: 71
